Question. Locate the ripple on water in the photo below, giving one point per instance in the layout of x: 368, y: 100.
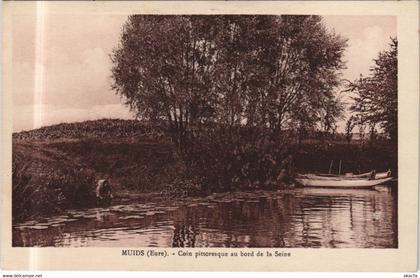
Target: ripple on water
x: 151, y: 213
x: 164, y: 208
x: 57, y: 221
x: 131, y: 217
x: 251, y: 201
x: 204, y: 204
x: 39, y: 227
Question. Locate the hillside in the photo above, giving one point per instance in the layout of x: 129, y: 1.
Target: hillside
x: 56, y: 167
x: 104, y: 128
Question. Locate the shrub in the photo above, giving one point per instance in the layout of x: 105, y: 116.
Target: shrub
x: 40, y: 187
x: 227, y: 159
x: 182, y: 187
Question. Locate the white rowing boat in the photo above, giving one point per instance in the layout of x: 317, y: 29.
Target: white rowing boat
x: 370, y: 174
x: 342, y: 182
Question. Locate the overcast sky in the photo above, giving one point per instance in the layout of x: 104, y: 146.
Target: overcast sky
x: 61, y: 64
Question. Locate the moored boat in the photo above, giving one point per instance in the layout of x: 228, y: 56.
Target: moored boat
x: 370, y: 174
x: 341, y: 182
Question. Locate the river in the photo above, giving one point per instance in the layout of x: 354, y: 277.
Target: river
x: 303, y: 217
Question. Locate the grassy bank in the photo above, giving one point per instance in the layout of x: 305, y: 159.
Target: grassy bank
x: 55, y: 168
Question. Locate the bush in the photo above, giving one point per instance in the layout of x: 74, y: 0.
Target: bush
x: 43, y: 185
x: 182, y: 187
x: 227, y: 159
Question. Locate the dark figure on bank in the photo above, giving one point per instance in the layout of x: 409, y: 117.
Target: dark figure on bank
x: 284, y: 179
x: 103, y: 193
x: 285, y: 176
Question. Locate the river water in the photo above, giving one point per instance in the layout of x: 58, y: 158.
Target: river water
x: 304, y: 217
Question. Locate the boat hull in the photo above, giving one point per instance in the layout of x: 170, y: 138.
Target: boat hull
x: 341, y: 183
x: 380, y: 175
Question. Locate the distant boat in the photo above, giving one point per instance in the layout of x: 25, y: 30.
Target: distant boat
x: 365, y: 180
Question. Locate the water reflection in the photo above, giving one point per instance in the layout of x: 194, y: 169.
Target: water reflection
x: 306, y: 217
x: 184, y: 236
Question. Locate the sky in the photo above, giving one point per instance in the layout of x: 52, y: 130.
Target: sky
x: 61, y: 64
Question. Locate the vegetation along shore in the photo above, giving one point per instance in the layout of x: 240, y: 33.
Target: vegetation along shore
x: 56, y: 168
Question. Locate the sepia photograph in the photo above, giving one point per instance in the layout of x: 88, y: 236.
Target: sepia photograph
x: 234, y: 136
x: 143, y: 130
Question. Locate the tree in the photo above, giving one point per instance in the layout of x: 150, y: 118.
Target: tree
x: 189, y: 73
x: 164, y: 68
x: 376, y: 100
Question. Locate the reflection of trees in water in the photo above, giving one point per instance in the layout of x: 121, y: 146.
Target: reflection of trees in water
x: 45, y: 237
x: 261, y: 222
x: 310, y: 218
x: 186, y: 222
x: 184, y: 236
x: 324, y: 219
x: 362, y: 218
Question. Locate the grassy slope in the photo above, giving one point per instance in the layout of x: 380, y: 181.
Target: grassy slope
x: 56, y: 167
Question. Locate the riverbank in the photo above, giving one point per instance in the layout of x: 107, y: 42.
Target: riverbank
x: 56, y: 168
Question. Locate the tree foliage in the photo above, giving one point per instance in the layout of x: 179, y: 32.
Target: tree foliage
x: 194, y: 72
x: 376, y: 100
x: 350, y: 125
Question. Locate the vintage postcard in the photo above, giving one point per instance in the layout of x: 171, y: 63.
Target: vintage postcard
x: 236, y: 136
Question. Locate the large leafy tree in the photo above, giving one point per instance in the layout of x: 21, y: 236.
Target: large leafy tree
x: 191, y: 72
x: 376, y: 100
x: 164, y: 67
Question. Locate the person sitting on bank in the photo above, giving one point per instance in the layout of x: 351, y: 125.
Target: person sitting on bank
x: 103, y: 192
x: 284, y: 179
